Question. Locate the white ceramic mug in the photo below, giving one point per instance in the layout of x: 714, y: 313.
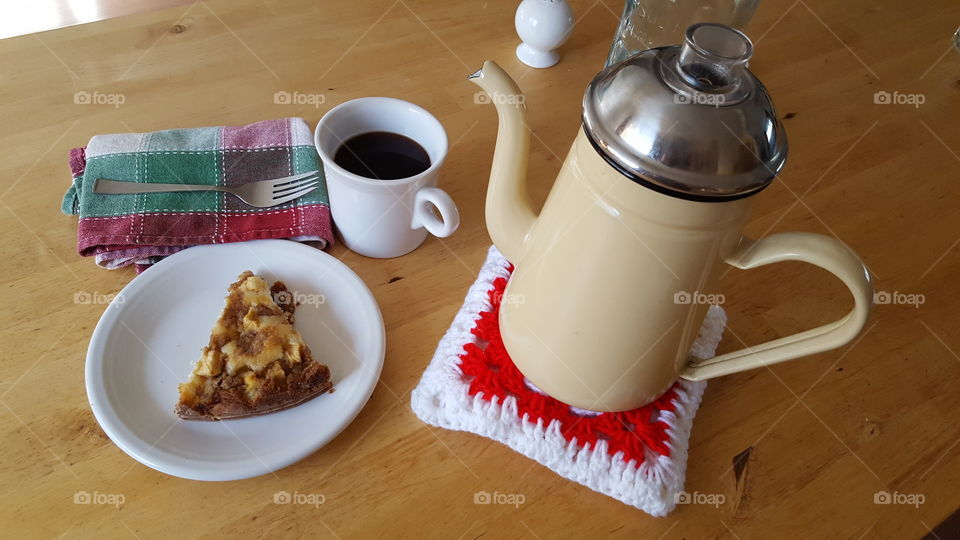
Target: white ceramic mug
x: 385, y: 218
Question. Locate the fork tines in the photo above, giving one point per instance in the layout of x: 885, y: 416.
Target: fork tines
x: 296, y: 185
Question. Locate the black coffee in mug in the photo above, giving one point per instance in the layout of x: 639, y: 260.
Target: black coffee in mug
x: 382, y: 155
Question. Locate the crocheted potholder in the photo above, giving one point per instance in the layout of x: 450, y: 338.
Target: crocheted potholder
x: 637, y: 457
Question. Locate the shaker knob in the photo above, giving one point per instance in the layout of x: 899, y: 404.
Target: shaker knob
x: 543, y: 25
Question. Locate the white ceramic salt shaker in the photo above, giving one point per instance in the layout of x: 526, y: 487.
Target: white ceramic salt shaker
x: 543, y: 25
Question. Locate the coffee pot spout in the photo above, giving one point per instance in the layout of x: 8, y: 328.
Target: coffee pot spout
x: 509, y: 212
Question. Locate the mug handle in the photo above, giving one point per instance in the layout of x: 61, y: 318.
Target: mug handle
x: 823, y: 251
x: 422, y: 216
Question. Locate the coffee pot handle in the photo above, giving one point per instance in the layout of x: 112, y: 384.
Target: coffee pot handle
x: 823, y: 251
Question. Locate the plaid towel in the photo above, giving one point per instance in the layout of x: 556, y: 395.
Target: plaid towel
x: 120, y: 230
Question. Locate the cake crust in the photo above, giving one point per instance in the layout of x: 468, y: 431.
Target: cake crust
x: 256, y: 362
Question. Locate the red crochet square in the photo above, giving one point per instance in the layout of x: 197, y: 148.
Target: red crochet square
x: 491, y: 372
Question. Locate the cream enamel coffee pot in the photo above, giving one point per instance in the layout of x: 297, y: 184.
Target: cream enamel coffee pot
x: 604, y: 302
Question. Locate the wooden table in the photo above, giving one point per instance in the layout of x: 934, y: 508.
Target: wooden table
x: 818, y: 437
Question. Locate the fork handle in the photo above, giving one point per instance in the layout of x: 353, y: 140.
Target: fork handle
x: 103, y: 185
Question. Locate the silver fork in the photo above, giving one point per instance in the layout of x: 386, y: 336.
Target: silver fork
x: 262, y: 194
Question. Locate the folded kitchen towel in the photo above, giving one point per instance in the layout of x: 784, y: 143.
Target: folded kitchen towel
x: 638, y: 457
x: 120, y: 230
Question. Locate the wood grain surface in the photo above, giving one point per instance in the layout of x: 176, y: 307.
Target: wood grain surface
x: 798, y: 450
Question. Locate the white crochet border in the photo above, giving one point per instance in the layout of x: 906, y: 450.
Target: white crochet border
x: 442, y: 399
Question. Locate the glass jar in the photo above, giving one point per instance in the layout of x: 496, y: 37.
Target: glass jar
x: 655, y: 23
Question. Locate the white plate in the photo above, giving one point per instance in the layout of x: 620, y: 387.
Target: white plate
x: 149, y: 338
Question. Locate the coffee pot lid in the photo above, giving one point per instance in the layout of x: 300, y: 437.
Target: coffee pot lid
x: 691, y: 120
